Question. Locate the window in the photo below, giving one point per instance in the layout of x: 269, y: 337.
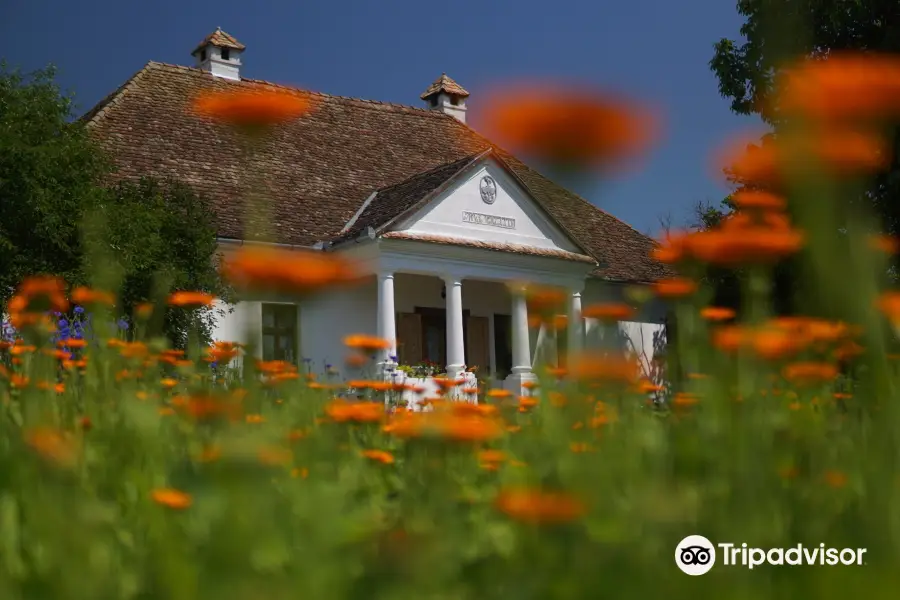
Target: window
x: 454, y: 100
x: 279, y: 329
x: 434, y: 100
x: 203, y: 55
x: 226, y: 53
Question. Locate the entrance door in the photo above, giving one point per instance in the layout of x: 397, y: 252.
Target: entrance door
x: 503, y: 344
x: 478, y: 344
x: 422, y: 336
x: 409, y: 338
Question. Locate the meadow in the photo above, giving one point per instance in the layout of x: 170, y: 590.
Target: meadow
x: 133, y: 470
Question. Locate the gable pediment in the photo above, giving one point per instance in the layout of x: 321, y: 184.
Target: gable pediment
x: 485, y: 203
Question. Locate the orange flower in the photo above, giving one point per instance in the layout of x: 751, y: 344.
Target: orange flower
x: 222, y: 352
x: 379, y: 456
x: 758, y: 200
x: 527, y: 402
x: 366, y: 343
x: 568, y: 125
x: 717, y: 313
x: 810, y: 372
x: 87, y: 296
x: 608, y: 311
x: 171, y: 498
x: 835, y: 479
x: 499, y: 393
x: 253, y: 106
x: 355, y: 412
x: 685, y: 399
x: 841, y: 152
x: 604, y: 368
x: 885, y: 243
x: 38, y: 294
x: 286, y: 270
x: 677, y: 287
x: 53, y: 445
x: 671, y: 249
x: 889, y: 304
x: 843, y: 85
x: 539, y: 507
x: 191, y: 299
x: 451, y: 426
x: 740, y: 245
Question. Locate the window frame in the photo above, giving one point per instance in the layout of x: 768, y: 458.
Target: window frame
x: 279, y: 331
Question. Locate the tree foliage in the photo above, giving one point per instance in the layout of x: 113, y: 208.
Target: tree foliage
x: 56, y: 195
x: 776, y: 32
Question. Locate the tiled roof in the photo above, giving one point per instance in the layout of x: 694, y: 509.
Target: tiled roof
x: 317, y: 172
x: 445, y: 84
x: 221, y: 39
x: 390, y: 202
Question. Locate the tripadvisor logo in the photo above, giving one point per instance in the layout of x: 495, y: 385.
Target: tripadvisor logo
x: 696, y: 555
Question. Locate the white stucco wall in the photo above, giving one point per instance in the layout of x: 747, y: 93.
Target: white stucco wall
x: 444, y: 215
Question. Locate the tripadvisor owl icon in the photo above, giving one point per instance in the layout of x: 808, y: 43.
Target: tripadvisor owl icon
x: 695, y: 555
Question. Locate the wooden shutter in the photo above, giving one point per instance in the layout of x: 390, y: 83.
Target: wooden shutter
x: 478, y: 353
x: 409, y: 338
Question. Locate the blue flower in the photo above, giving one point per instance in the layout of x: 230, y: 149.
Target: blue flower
x: 327, y: 365
x: 79, y: 310
x: 122, y: 324
x: 393, y: 358
x: 62, y: 323
x: 213, y: 365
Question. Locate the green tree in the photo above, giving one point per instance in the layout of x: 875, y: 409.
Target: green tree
x: 57, y: 198
x: 777, y: 31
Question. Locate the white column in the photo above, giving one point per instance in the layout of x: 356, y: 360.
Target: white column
x: 387, y: 328
x: 521, y: 344
x: 576, y: 324
x: 456, y: 349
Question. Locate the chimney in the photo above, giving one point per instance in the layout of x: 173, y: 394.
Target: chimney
x: 447, y: 96
x: 220, y: 54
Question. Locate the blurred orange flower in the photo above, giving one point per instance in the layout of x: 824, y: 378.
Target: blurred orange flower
x: 569, y: 125
x: 843, y: 85
x: 839, y: 151
x: 539, y: 507
x: 171, y: 498
x: 252, y: 106
x: 677, y: 287
x: 285, y: 270
x: 191, y: 299
x: 379, y: 456
x: 608, y: 311
x: 717, y: 313
x: 366, y: 343
x: 355, y: 412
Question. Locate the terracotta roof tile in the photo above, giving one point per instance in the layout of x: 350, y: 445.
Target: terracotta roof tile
x: 390, y: 202
x: 445, y: 84
x: 316, y: 173
x: 221, y: 39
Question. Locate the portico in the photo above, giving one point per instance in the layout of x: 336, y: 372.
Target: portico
x: 478, y: 297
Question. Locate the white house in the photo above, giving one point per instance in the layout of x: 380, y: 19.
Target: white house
x: 444, y: 222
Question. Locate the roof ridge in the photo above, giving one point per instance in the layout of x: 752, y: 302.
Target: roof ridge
x: 467, y: 159
x: 363, y: 101
x: 91, y: 117
x: 465, y: 164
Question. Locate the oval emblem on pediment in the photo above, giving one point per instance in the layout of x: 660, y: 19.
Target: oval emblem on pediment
x: 488, y: 189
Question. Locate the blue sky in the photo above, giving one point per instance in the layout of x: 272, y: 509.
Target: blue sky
x: 391, y: 50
